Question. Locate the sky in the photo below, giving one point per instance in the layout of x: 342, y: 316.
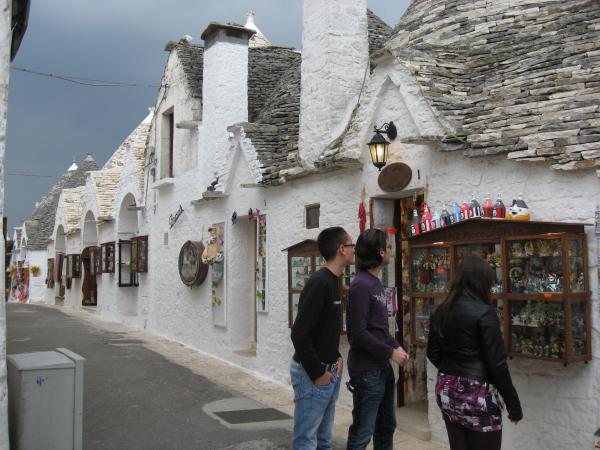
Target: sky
x: 51, y: 122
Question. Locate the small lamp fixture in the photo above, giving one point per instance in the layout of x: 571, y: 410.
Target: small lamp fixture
x: 379, y: 145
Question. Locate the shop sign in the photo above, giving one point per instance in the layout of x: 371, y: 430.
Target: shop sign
x: 173, y: 218
x: 394, y: 177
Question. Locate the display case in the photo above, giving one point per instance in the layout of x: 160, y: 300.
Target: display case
x: 50, y: 273
x: 139, y: 254
x: 127, y: 276
x: 303, y: 260
x: 541, y: 292
x: 74, y: 265
x: 108, y: 257
x: 95, y: 261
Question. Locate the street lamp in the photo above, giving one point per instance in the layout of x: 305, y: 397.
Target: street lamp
x: 378, y: 146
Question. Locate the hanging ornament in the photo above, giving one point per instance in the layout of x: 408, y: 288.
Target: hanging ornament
x: 362, y: 211
x: 234, y: 218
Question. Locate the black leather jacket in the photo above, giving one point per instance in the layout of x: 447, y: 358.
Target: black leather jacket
x: 471, y: 346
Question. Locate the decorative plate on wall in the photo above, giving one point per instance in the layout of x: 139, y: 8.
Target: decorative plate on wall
x: 394, y: 177
x: 192, y: 270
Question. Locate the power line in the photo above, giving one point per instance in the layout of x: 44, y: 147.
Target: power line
x: 84, y: 81
x: 29, y: 175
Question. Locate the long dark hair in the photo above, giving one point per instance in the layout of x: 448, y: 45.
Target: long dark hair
x: 474, y: 278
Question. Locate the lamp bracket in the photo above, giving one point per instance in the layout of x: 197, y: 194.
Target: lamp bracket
x: 388, y: 128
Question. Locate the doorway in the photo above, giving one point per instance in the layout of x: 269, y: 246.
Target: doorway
x: 89, y: 287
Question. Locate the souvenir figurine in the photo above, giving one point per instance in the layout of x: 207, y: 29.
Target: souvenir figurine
x: 518, y: 210
x: 528, y: 248
x: 546, y: 350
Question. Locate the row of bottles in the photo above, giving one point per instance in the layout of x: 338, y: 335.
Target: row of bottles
x: 431, y: 219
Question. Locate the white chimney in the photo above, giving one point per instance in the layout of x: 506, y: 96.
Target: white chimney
x: 224, y: 90
x: 335, y: 56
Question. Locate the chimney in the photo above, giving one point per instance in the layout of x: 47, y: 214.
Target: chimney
x: 335, y: 55
x: 224, y: 90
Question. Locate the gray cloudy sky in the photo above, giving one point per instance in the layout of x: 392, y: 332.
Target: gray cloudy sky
x: 51, y: 121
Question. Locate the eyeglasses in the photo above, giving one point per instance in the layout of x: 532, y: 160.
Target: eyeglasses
x: 348, y: 245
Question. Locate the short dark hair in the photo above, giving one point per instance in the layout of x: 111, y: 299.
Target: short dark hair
x: 368, y: 245
x: 329, y: 241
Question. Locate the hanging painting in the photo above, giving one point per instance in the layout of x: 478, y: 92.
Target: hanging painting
x: 261, y: 264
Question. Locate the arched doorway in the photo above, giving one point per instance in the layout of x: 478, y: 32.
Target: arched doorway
x: 89, y: 286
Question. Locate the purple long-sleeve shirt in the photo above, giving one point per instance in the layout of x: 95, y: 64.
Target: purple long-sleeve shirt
x: 371, y: 344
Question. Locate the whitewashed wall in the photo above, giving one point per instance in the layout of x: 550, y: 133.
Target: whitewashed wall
x: 5, y: 40
x: 37, y: 285
x: 335, y: 57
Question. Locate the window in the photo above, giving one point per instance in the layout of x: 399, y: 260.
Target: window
x: 167, y: 135
x: 108, y: 257
x: 312, y: 215
x: 127, y: 275
x: 139, y: 254
x: 95, y: 261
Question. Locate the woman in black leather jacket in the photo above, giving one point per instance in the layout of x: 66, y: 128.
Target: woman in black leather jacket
x: 465, y: 344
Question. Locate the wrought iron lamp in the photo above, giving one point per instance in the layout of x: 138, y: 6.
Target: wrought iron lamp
x: 379, y: 145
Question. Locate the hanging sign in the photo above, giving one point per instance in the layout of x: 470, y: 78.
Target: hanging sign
x: 173, y: 218
x: 394, y: 177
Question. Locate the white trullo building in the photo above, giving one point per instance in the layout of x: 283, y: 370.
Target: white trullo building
x: 255, y: 148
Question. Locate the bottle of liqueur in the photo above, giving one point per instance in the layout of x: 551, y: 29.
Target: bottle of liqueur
x: 499, y: 211
x: 475, y: 211
x: 436, y: 219
x: 488, y: 207
x: 455, y: 213
x: 445, y: 218
x: 415, y: 223
x: 426, y: 218
x: 465, y: 211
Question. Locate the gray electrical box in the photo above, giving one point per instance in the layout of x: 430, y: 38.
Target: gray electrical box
x: 45, y: 400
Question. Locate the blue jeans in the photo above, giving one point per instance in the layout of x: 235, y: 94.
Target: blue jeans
x: 374, y: 412
x: 314, y: 410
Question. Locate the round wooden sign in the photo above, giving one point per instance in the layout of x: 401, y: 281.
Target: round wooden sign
x: 394, y: 177
x: 192, y: 270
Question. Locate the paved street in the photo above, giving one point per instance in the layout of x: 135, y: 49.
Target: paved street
x: 145, y: 392
x: 134, y: 398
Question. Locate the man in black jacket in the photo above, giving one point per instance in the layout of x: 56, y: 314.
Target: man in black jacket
x: 317, y: 364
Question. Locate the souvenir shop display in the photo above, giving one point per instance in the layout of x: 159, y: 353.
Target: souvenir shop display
x: 303, y: 260
x: 430, y: 219
x: 192, y: 270
x: 108, y: 257
x: 126, y: 263
x: 541, y: 291
x: 518, y: 210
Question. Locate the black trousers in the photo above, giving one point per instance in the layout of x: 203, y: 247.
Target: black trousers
x: 462, y: 438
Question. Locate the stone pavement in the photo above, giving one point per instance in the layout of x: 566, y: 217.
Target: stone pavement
x: 229, y: 377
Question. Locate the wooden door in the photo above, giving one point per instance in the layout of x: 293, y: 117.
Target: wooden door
x: 88, y: 287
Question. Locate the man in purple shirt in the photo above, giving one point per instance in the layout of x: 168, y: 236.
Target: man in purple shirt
x: 372, y: 348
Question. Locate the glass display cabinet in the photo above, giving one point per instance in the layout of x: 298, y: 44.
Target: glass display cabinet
x: 303, y: 260
x: 541, y: 292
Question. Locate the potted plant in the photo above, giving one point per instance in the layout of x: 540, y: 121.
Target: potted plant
x: 35, y: 270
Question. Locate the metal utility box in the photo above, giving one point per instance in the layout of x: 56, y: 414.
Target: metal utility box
x: 45, y: 400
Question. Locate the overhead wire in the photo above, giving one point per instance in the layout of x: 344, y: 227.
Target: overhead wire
x: 83, y: 81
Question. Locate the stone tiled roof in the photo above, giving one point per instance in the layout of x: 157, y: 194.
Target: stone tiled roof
x: 191, y: 57
x: 274, y: 106
x: 379, y: 32
x: 516, y: 77
x: 275, y: 133
x: 107, y: 183
x: 137, y: 139
x: 40, y: 224
x: 73, y: 204
x: 266, y: 65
